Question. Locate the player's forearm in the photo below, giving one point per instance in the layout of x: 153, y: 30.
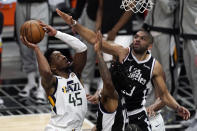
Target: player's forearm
x: 90, y: 37
x: 43, y: 65
x: 86, y: 33
x: 169, y: 100
x: 105, y: 74
x: 158, y: 104
x: 72, y: 41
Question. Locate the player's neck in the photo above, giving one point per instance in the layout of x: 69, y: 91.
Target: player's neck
x: 63, y: 74
x: 140, y: 57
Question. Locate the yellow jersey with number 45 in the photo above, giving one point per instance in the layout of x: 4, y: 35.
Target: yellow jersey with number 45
x: 69, y: 105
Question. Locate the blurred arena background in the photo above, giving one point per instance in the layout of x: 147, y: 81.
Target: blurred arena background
x: 17, y: 113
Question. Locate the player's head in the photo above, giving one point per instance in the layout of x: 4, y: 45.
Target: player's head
x: 141, y: 41
x: 57, y: 61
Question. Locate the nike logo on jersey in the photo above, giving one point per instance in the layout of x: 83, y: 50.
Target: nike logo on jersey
x: 140, y: 117
x: 146, y: 66
x: 157, y: 125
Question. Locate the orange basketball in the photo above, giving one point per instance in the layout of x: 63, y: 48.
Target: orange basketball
x: 33, y: 31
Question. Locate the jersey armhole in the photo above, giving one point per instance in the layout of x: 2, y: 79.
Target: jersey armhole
x: 127, y: 55
x: 55, y: 85
x: 153, y: 66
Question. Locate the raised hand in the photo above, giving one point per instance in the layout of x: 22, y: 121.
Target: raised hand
x: 48, y: 29
x: 67, y: 18
x: 183, y: 112
x: 98, y: 42
x: 27, y: 43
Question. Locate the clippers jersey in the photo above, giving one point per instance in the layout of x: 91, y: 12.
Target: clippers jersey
x: 69, y: 105
x: 113, y: 121
x: 139, y: 74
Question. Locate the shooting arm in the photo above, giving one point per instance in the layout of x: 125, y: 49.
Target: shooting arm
x: 72, y: 41
x: 80, y: 48
x: 47, y: 77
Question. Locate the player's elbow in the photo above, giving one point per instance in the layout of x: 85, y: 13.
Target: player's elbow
x: 164, y: 96
x: 109, y: 84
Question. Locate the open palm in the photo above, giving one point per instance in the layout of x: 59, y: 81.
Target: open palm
x: 67, y: 18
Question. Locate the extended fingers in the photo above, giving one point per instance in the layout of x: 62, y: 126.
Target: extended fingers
x: 187, y: 115
x: 22, y: 39
x: 45, y: 27
x: 184, y: 113
x: 60, y: 13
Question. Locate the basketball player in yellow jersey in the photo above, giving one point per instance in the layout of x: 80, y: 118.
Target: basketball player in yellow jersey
x: 63, y: 88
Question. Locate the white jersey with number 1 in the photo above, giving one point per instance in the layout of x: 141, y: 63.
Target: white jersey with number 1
x: 69, y: 105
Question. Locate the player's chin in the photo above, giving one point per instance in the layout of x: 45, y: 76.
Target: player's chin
x: 70, y: 64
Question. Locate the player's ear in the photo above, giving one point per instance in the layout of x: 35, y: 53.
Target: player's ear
x: 150, y: 46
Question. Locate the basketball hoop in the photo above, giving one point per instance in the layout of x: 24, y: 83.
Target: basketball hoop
x: 137, y: 5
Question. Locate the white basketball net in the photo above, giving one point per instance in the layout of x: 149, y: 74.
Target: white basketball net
x: 137, y: 5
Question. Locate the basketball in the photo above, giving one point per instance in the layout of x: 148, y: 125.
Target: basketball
x: 32, y: 31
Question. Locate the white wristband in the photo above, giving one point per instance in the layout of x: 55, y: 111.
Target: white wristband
x: 72, y: 41
x: 74, y: 23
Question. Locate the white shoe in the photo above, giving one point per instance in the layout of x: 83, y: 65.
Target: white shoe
x: 1, y: 101
x: 25, y: 92
x: 41, y: 96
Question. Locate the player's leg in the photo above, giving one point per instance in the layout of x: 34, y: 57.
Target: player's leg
x: 27, y: 55
x: 157, y: 123
x: 141, y: 120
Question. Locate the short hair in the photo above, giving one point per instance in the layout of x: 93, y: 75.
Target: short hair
x: 150, y: 37
x: 47, y: 54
